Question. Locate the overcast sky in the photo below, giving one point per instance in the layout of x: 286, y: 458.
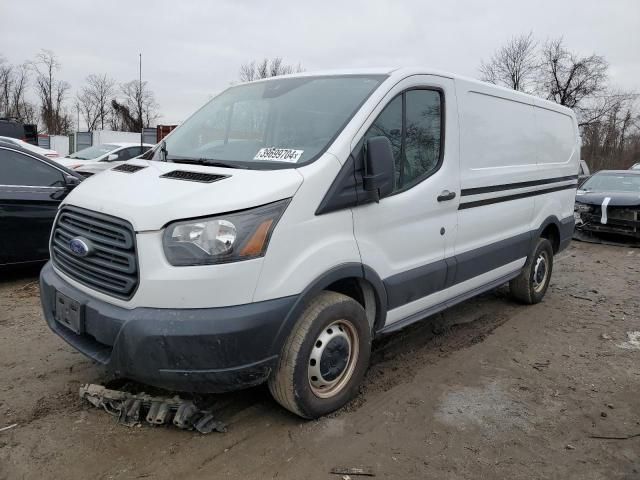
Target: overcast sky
x: 192, y: 49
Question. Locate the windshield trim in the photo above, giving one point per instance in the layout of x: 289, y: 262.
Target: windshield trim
x: 266, y: 165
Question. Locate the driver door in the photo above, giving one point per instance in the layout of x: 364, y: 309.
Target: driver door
x: 407, y: 236
x: 30, y: 193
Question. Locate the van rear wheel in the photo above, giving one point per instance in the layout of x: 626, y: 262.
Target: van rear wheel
x: 531, y: 285
x: 324, y: 358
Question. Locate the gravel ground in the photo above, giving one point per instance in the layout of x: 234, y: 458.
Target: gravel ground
x: 488, y: 389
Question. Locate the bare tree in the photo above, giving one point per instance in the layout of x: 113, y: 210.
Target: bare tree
x: 255, y: 70
x: 6, y: 86
x: 513, y: 65
x: 85, y: 105
x: 94, y: 100
x: 52, y: 93
x: 613, y: 140
x: 14, y: 81
x: 577, y: 82
x: 137, y: 109
x: 19, y: 106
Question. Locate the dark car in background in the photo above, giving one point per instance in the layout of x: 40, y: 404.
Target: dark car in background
x: 609, y: 202
x: 31, y: 188
x: 15, y: 129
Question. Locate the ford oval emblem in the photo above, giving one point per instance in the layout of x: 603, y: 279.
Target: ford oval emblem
x: 80, y: 247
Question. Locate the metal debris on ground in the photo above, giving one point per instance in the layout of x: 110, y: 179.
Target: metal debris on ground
x: 615, y: 437
x: 364, y: 471
x: 133, y: 409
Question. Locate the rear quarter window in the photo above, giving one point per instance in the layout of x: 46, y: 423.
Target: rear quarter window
x: 556, y: 137
x: 496, y: 132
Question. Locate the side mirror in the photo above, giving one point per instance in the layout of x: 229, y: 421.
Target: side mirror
x: 112, y: 157
x: 71, y: 181
x: 379, y: 167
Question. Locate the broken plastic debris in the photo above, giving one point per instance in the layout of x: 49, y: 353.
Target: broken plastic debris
x: 633, y: 342
x: 131, y: 409
x: 8, y: 427
x: 348, y: 471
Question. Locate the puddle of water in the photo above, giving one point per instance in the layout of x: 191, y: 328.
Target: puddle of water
x: 489, y: 407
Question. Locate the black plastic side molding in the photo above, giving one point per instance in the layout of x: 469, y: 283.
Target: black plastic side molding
x: 343, y: 192
x: 347, y: 190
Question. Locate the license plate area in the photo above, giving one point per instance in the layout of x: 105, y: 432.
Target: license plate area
x: 69, y: 313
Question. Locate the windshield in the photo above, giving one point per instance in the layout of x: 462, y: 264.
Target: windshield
x: 610, y: 182
x: 278, y: 121
x: 93, y: 152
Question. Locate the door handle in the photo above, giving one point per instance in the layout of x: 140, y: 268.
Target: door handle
x: 446, y: 195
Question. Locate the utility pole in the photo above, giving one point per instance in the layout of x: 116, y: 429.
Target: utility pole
x: 140, y: 102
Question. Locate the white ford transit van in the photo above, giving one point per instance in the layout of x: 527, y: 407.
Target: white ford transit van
x: 290, y: 221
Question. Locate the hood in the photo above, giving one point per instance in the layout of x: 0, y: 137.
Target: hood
x: 618, y: 199
x: 149, y: 202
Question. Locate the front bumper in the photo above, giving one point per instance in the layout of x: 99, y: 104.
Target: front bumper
x: 620, y: 221
x: 196, y: 350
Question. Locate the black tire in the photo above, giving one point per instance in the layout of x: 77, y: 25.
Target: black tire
x: 530, y: 286
x: 291, y: 381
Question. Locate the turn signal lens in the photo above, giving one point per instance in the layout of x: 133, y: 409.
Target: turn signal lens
x: 257, y: 242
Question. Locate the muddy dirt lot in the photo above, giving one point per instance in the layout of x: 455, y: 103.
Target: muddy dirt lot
x: 489, y: 389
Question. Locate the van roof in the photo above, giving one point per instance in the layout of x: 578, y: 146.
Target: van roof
x: 396, y: 73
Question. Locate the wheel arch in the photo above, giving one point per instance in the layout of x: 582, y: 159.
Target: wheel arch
x: 551, y: 229
x: 355, y: 280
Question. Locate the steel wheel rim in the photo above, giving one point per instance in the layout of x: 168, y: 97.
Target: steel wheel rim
x: 336, y: 344
x: 540, y: 272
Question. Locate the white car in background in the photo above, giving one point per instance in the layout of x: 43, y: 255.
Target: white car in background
x: 97, y: 158
x: 47, y: 152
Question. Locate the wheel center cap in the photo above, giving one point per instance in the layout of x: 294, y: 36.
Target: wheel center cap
x: 334, y: 358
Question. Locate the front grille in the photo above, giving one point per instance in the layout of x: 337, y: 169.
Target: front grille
x: 193, y: 176
x: 622, y: 220
x: 623, y: 214
x: 111, y: 266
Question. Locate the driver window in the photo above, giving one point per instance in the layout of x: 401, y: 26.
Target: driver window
x: 17, y: 169
x: 412, y: 122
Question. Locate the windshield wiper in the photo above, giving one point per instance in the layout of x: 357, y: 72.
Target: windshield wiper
x: 202, y: 161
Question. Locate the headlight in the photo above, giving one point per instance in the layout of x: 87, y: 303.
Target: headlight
x: 582, y: 208
x: 224, y: 238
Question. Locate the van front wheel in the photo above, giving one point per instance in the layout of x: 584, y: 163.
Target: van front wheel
x: 531, y: 285
x: 325, y: 357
